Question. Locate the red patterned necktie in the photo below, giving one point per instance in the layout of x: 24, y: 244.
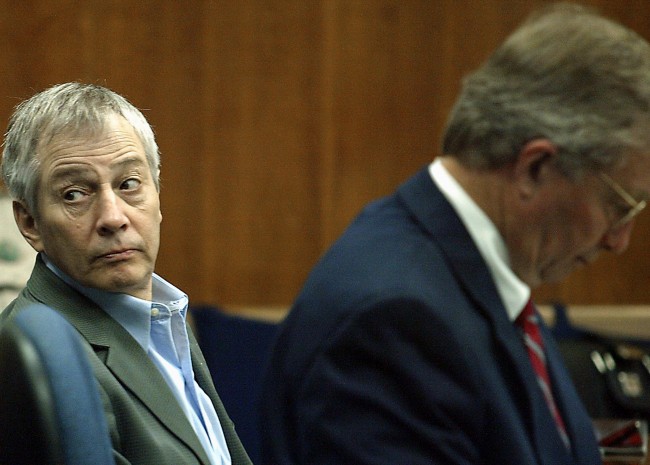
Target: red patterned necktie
x: 529, y: 324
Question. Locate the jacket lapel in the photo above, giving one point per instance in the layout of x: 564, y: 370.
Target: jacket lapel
x: 569, y: 403
x: 132, y: 366
x: 432, y: 210
x: 125, y: 357
x: 434, y: 213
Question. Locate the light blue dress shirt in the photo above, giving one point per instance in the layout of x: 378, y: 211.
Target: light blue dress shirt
x: 159, y: 327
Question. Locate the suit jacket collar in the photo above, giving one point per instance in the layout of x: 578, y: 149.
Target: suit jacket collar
x: 125, y: 357
x: 433, y: 212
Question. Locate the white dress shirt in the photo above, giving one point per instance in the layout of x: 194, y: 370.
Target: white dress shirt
x: 514, y: 292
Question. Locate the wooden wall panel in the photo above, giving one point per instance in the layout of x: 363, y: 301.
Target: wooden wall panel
x: 260, y: 166
x: 279, y: 119
x: 395, y: 70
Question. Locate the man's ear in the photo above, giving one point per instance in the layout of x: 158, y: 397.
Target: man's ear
x: 27, y: 225
x: 534, y: 164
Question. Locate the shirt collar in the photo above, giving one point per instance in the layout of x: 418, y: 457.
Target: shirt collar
x: 514, y: 293
x: 132, y: 313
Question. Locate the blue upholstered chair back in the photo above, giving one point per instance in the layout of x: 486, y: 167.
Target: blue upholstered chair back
x: 50, y: 410
x: 236, y: 350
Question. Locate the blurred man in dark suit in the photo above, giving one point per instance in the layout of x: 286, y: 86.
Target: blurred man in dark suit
x: 413, y: 341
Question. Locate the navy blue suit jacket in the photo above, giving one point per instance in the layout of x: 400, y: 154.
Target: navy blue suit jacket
x: 399, y: 351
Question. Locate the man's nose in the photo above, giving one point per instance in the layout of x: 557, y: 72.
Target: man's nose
x: 111, y: 216
x: 617, y: 240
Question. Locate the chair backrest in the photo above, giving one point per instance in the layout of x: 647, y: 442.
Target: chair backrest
x: 236, y: 350
x: 50, y: 409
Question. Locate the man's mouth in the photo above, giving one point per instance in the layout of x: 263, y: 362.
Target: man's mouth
x: 118, y: 255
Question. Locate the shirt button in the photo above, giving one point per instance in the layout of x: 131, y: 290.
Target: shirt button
x: 155, y: 311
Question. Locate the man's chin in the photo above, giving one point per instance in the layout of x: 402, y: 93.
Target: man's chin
x: 558, y: 275
x: 124, y: 283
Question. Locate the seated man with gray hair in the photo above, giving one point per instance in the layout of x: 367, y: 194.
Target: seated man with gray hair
x: 82, y: 166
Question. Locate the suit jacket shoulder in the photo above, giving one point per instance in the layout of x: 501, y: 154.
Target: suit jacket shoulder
x: 146, y: 423
x: 399, y: 332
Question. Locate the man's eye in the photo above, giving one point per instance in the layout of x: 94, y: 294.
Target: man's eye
x: 130, y: 184
x: 72, y: 195
x: 622, y: 210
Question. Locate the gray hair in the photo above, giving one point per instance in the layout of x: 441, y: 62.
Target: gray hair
x: 73, y: 109
x: 567, y: 75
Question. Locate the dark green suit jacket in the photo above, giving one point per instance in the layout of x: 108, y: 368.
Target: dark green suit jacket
x: 146, y: 423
